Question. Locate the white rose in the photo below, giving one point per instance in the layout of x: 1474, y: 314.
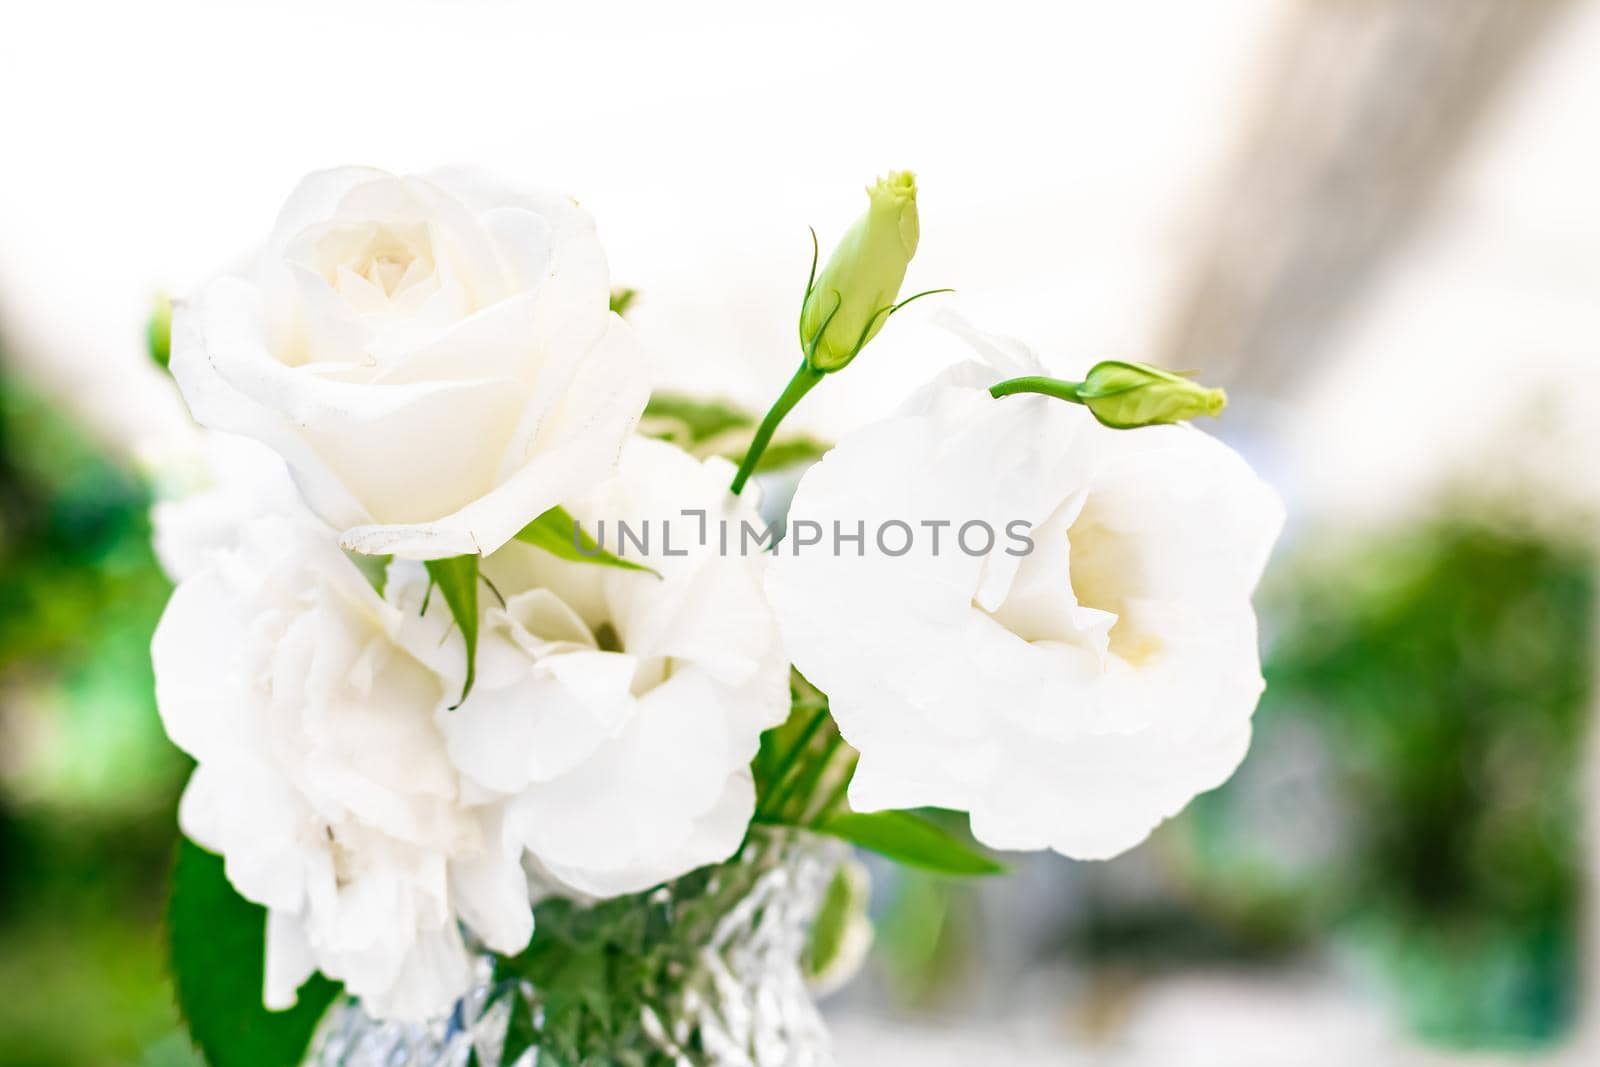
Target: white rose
x: 322, y: 779
x: 1072, y: 697
x: 207, y: 495
x: 615, y: 711
x: 434, y: 357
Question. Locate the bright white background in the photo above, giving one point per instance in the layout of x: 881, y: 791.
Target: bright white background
x: 1059, y: 149
x: 1065, y: 152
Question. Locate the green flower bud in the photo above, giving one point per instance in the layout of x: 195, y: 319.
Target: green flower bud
x: 848, y: 302
x: 158, y: 332
x: 1127, y: 395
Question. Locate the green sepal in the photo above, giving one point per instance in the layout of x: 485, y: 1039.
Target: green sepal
x: 559, y: 534
x: 622, y: 299
x: 457, y: 581
x: 911, y: 840
x: 217, y: 944
x: 375, y: 569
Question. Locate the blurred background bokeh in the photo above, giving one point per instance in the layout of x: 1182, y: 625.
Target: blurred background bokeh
x: 1374, y: 221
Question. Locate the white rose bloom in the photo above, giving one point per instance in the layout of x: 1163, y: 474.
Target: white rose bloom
x: 208, y: 493
x: 1069, y: 698
x: 615, y: 711
x: 322, y: 779
x: 434, y: 357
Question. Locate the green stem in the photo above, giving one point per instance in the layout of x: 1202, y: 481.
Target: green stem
x: 801, y: 384
x: 806, y: 782
x: 1038, y: 384
x: 836, y: 795
x: 775, y: 789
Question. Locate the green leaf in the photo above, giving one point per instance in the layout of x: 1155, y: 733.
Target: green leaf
x: 911, y: 840
x: 559, y: 534
x: 699, y: 419
x: 789, y: 452
x: 218, y: 941
x: 457, y: 580
x: 843, y: 912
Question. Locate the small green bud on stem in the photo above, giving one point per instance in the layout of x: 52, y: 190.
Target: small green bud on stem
x: 1125, y: 395
x: 846, y: 305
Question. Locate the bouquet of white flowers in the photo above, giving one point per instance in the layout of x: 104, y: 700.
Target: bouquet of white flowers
x: 521, y: 737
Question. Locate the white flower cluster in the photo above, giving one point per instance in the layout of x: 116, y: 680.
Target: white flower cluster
x: 435, y: 362
x: 429, y: 364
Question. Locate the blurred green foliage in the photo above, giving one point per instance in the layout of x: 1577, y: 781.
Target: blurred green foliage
x: 1414, y: 785
x: 88, y: 783
x: 924, y: 935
